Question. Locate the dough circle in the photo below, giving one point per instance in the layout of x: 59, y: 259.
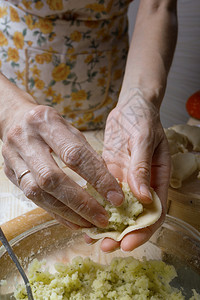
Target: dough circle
x: 151, y: 213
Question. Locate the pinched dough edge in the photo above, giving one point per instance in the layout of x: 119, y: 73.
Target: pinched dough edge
x: 149, y: 216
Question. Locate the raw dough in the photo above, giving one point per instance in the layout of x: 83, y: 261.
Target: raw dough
x: 183, y: 166
x: 192, y: 133
x: 184, y: 163
x: 177, y: 142
x: 198, y: 164
x: 140, y: 217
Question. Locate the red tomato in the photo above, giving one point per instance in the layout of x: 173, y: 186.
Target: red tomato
x: 193, y: 105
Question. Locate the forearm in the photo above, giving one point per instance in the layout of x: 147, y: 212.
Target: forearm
x: 151, y: 50
x: 12, y: 99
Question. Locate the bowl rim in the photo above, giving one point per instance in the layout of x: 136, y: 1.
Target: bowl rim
x: 169, y: 220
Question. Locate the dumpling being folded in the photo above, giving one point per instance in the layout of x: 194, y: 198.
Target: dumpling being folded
x: 131, y: 215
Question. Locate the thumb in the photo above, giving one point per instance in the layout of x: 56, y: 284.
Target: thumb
x: 139, y: 173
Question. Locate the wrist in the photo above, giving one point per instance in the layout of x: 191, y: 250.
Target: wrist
x: 14, y: 102
x: 12, y: 115
x: 133, y: 94
x: 135, y: 112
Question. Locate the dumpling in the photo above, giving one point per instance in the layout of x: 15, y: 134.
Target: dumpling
x: 192, y: 133
x: 177, y: 142
x: 183, y: 166
x: 130, y: 216
x: 197, y: 156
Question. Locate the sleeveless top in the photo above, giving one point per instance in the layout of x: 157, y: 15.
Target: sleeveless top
x: 68, y: 54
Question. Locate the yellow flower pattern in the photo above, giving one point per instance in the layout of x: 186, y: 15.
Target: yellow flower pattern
x: 3, y: 12
x: 55, y: 4
x: 67, y: 54
x: 27, y: 4
x: 39, y: 5
x: 20, y: 75
x: 39, y: 84
x: 35, y: 71
x: 60, y: 72
x: 79, y: 95
x: 58, y: 98
x: 3, y: 39
x: 29, y: 22
x: 39, y: 58
x: 97, y: 7
x: 14, y: 17
x: 13, y: 54
x: 49, y: 92
x: 45, y: 26
x: 18, y: 40
x: 75, y: 36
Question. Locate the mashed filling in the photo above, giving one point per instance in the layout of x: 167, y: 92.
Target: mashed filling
x: 123, y: 216
x: 123, y: 279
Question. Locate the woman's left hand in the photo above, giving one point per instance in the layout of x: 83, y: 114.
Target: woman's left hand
x: 136, y: 151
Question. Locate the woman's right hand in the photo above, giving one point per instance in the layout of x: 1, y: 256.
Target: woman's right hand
x: 29, y: 137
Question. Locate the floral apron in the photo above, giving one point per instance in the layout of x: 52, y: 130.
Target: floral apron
x: 68, y: 54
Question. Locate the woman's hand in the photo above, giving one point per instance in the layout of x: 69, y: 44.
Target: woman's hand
x: 29, y: 137
x: 136, y: 151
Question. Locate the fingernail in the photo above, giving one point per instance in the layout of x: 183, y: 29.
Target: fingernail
x: 125, y: 251
x: 144, y: 190
x: 115, y: 198
x: 100, y: 220
x: 110, y: 251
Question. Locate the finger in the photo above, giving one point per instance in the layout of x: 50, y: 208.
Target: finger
x: 117, y: 157
x: 89, y: 240
x: 65, y: 222
x: 132, y: 240
x: 160, y: 172
x: 78, y: 155
x: 139, y: 173
x: 109, y: 245
x: 138, y: 237
x: 32, y: 191
x: 13, y: 177
x: 56, y: 183
x: 117, y: 171
x: 50, y: 203
x: 10, y: 174
x: 57, y: 208
x: 116, y: 164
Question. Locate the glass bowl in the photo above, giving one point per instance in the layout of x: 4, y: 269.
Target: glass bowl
x: 175, y: 242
